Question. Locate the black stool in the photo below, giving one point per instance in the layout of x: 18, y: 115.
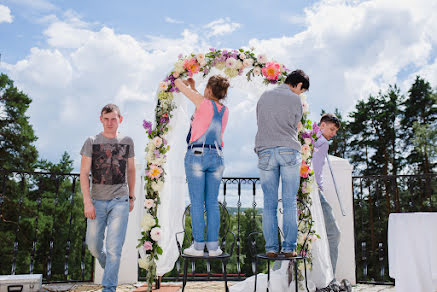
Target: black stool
x: 224, y: 232
x: 281, y: 257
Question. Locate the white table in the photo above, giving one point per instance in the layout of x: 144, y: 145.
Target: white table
x: 412, y: 251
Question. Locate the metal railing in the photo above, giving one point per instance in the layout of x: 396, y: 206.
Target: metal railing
x: 42, y: 226
x: 375, y: 197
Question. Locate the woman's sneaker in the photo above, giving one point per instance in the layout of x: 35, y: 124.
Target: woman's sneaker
x: 193, y: 252
x: 215, y: 253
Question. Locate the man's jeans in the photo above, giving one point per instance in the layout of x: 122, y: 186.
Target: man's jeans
x: 204, y: 170
x: 113, y: 215
x: 273, y: 163
x: 332, y: 230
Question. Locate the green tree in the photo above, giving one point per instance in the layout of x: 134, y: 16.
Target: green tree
x: 420, y: 112
x: 16, y: 134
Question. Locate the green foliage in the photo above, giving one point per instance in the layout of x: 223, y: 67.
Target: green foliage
x: 16, y: 134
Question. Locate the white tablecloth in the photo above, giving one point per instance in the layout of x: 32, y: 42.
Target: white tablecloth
x: 412, y: 251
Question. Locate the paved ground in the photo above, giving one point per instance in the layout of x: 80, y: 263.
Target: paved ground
x: 191, y: 287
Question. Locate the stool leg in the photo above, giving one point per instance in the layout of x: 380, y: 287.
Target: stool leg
x: 295, y: 275
x: 256, y: 273
x: 268, y: 275
x: 225, y: 274
x: 185, y: 274
x: 306, y: 281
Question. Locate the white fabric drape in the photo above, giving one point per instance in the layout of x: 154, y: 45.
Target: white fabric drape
x: 174, y: 192
x: 321, y: 274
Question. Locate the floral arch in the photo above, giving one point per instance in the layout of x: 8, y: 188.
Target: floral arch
x: 233, y: 63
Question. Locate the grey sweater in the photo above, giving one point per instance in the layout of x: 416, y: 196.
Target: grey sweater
x: 277, y: 113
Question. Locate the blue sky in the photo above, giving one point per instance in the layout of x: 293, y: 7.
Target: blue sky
x: 72, y: 57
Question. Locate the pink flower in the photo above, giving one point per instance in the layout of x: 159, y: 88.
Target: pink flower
x: 271, y: 71
x: 304, y: 170
x: 231, y: 62
x: 192, y: 66
x: 154, y: 171
x: 262, y: 59
x: 148, y: 245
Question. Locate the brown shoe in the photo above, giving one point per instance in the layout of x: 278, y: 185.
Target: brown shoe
x: 290, y: 254
x: 271, y: 254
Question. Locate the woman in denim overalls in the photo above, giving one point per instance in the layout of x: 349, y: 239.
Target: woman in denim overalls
x: 204, y: 160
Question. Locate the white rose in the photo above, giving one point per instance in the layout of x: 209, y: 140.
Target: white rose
x: 262, y: 59
x: 257, y: 70
x: 200, y: 58
x: 220, y: 65
x: 248, y: 62
x: 202, y: 63
x: 149, y: 203
x: 305, y: 107
x: 155, y: 233
x: 307, y: 141
x: 303, y: 97
x: 176, y: 74
x: 157, y: 141
x: 242, y: 56
x: 163, y: 86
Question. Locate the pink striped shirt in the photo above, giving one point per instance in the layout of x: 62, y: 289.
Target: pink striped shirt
x: 202, y: 118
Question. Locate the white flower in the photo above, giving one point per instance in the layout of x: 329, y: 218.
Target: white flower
x: 303, y: 97
x: 144, y: 264
x: 262, y: 59
x: 179, y: 66
x: 176, y: 74
x: 305, y: 107
x: 149, y: 203
x: 163, y: 86
x: 307, y: 141
x: 242, y: 56
x: 157, y: 141
x: 155, y: 233
x: 148, y: 222
x: 239, y: 64
x: 248, y: 62
x: 200, y: 58
x: 202, y: 63
x: 231, y: 62
x: 299, y: 127
x: 281, y: 68
x: 231, y: 73
x: 257, y: 70
x: 157, y: 186
x: 220, y: 65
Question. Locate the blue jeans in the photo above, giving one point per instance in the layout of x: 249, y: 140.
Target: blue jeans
x: 204, y: 170
x: 273, y: 163
x: 112, y: 214
x: 332, y: 230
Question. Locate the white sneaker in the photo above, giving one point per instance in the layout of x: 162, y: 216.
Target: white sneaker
x: 215, y: 253
x: 193, y: 252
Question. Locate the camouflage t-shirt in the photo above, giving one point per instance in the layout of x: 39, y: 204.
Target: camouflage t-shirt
x: 109, y: 165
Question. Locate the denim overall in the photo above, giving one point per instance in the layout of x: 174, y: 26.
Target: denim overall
x: 204, y: 170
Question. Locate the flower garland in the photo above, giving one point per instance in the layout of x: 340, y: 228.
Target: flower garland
x: 233, y: 63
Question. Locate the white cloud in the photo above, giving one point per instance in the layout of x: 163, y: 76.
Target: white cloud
x: 5, y: 14
x: 41, y: 5
x: 84, y: 69
x: 352, y: 49
x: 221, y: 26
x: 349, y: 49
x: 171, y: 20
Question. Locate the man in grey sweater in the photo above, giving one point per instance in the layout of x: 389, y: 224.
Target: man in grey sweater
x: 278, y: 113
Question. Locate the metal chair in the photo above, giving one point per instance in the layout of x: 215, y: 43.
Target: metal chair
x: 224, y: 234
x: 302, y: 254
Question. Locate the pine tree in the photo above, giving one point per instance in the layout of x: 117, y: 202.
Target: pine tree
x: 16, y: 133
x: 420, y: 111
